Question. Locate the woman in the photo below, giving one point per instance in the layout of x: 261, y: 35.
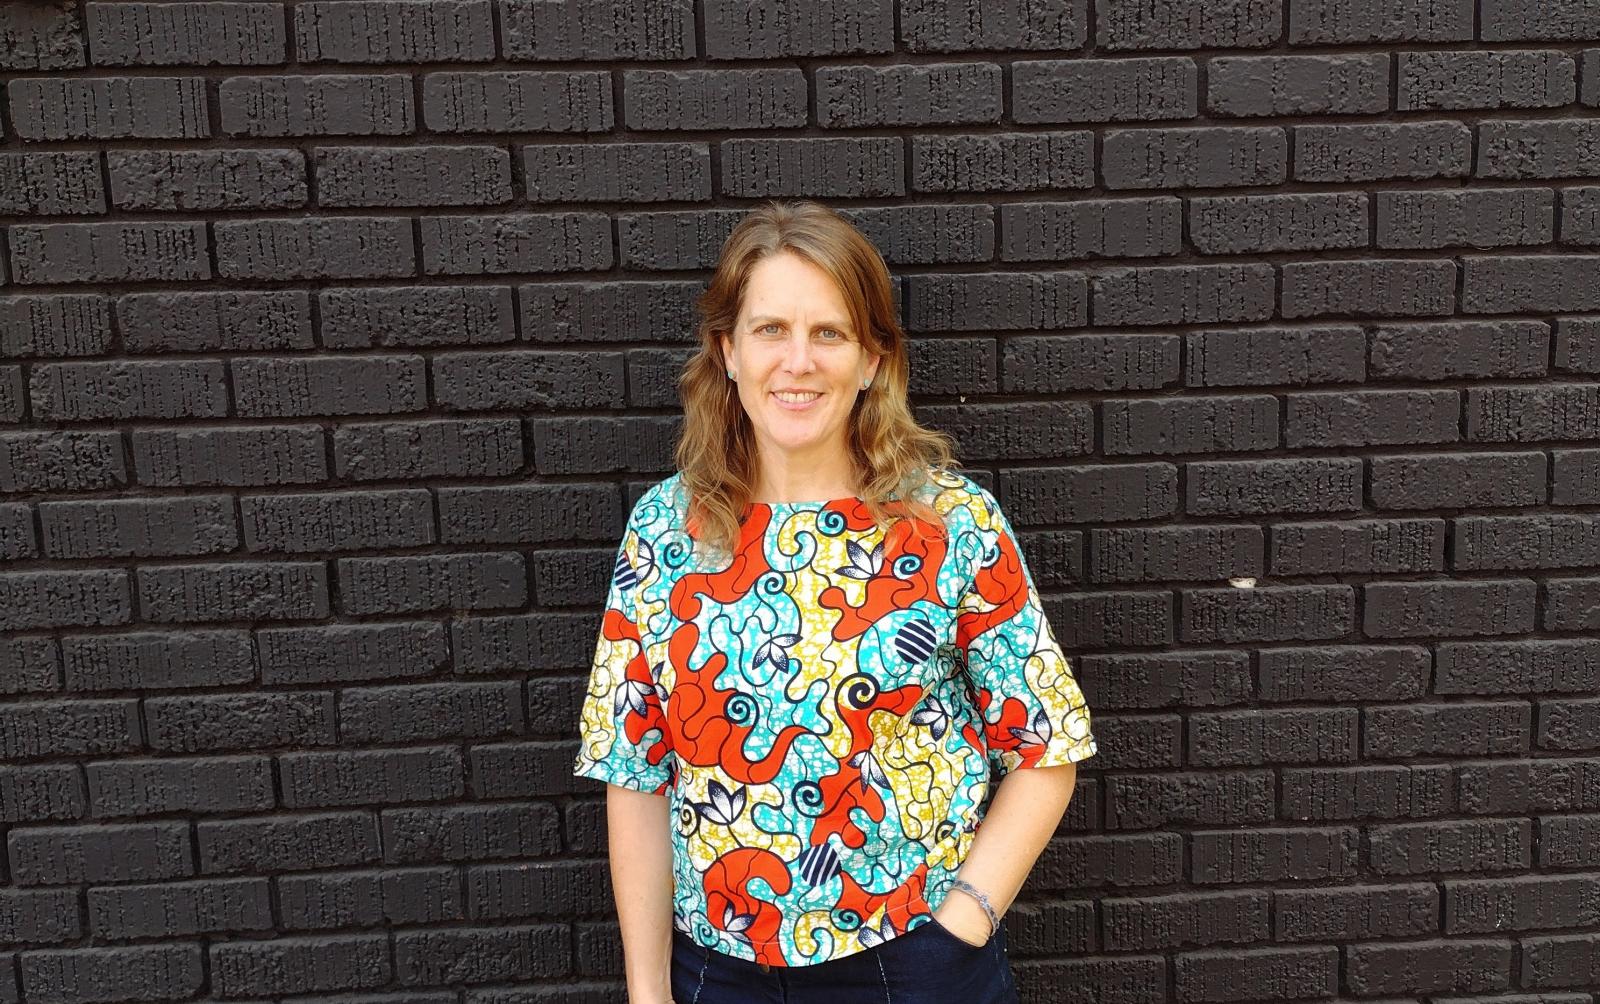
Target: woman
x: 817, y: 641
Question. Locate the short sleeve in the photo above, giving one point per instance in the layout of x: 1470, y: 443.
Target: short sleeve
x: 1033, y: 713
x: 623, y: 737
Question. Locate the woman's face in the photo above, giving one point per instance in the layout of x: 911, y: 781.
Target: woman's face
x: 798, y: 362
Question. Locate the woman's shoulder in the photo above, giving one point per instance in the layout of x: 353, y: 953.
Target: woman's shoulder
x: 962, y: 501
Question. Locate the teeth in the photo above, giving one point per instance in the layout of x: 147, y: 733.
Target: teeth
x: 797, y: 398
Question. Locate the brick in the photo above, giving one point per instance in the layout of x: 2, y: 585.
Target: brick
x: 527, y: 514
x: 768, y: 98
x: 619, y: 172
x: 383, y: 31
x: 416, y: 315
x: 1105, y: 90
x: 653, y: 376
x: 1544, y: 785
x: 1589, y: 86
x: 62, y: 599
x: 1519, y: 20
x: 1402, y: 609
x: 1372, y: 287
x: 964, y: 25
x: 157, y: 661
x: 1572, y: 604
x: 1189, y: 425
x: 1428, y: 967
x: 1297, y: 854
x: 1532, y: 413
x: 133, y: 787
x: 51, y: 184
x: 1353, y: 84
x: 545, y: 642
x: 300, y: 965
x: 191, y: 180
x: 1260, y: 737
x: 367, y: 899
x: 1344, y: 673
x: 426, y: 712
x: 1580, y: 216
x: 83, y: 108
x: 1188, y: 24
x: 674, y: 240
x: 1529, y: 283
x: 1242, y: 487
x: 932, y: 94
x: 1566, y: 841
x: 1569, y: 725
x: 1577, y: 477
x: 101, y: 853
x: 1356, y: 912
x: 1252, y: 224
x: 13, y: 398
x: 232, y: 722
x: 346, y: 247
x: 326, y: 105
x: 447, y: 448
x: 839, y: 168
x: 1109, y: 228
x: 208, y: 322
x: 481, y: 955
x: 1200, y: 679
x: 175, y: 909
x: 587, y: 30
x: 766, y: 29
x: 1261, y: 356
x: 518, y: 101
x: 1460, y: 350
x: 1369, y: 417
x: 1414, y: 151
x: 523, y: 379
x: 1482, y: 845
x: 17, y: 538
x: 1132, y: 859
x: 29, y: 665
x: 27, y: 794
x: 1550, y: 666
x: 1142, y: 801
x: 1262, y: 974
x: 329, y: 385
x: 1211, y: 157
x: 1123, y: 491
x: 609, y: 311
x: 1455, y: 480
x: 1482, y: 218
x: 1183, y: 294
x: 411, y: 176
x: 1488, y: 906
x: 362, y: 777
x: 525, y: 242
x: 39, y: 917
x: 1184, y: 920
x: 1157, y: 554
x: 1560, y: 962
x: 1006, y: 162
x: 109, y: 252
x: 71, y: 325
x: 1325, y: 22
x: 68, y: 728
x: 1534, y: 149
x: 233, y: 591
x: 1487, y: 80
x: 1476, y: 729
x: 237, y: 456
x: 178, y: 34
x: 1359, y: 546
x: 444, y: 582
x: 1054, y: 363
x: 39, y: 37
x: 349, y: 652
x: 131, y: 972
x: 120, y: 528
x: 337, y: 521
x: 81, y: 391
x: 284, y: 843
x: 1140, y: 742
x: 1399, y: 792
x: 927, y: 235
x: 595, y: 445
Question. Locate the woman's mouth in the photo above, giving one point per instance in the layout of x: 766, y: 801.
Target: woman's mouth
x: 796, y: 401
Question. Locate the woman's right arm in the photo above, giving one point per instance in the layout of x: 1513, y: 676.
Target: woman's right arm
x: 641, y: 881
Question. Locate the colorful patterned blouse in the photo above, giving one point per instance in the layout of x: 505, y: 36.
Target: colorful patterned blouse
x: 823, y: 711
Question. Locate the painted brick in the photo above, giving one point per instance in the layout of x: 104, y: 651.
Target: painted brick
x: 1105, y: 90
x: 1253, y: 224
x: 1519, y: 20
x: 411, y: 176
x: 337, y: 521
x: 1183, y: 294
x: 109, y: 252
x: 84, y: 108
x: 1412, y: 150
x: 517, y: 101
x: 209, y: 322
x: 61, y: 461
x: 1007, y: 162
x: 1298, y: 85
x: 1116, y: 228
x: 1471, y: 80
x: 327, y: 105
x: 185, y: 34
x: 839, y: 168
x: 528, y: 242
x: 385, y: 31
x: 1210, y: 157
x: 197, y: 180
x: 618, y: 172
x: 51, y: 184
x: 965, y: 25
x: 328, y: 385
x: 286, y: 590
x: 236, y: 456
x: 765, y: 29
x: 1188, y: 24
x: 121, y: 528
x: 416, y: 315
x: 609, y: 311
x: 1333, y: 22
x: 714, y: 99
x: 409, y: 450
x: 343, y: 247
x: 585, y: 29
x: 40, y: 37
x: 342, y: 653
x: 72, y: 325
x: 1553, y: 149
x: 85, y: 391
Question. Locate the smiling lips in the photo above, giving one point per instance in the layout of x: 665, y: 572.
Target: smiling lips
x: 796, y: 399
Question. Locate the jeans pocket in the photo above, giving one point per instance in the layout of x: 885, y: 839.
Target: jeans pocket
x: 958, y: 939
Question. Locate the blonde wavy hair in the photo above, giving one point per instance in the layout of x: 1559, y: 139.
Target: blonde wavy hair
x: 895, y: 459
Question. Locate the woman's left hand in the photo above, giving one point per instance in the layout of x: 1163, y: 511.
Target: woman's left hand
x: 963, y: 917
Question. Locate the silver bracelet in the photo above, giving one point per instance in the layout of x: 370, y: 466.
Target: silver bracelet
x: 975, y: 893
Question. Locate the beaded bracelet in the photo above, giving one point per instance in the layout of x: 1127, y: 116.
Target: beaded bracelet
x: 971, y: 890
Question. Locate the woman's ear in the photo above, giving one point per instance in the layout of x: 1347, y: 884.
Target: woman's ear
x: 727, y: 350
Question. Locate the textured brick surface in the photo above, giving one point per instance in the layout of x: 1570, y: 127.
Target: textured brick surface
x: 336, y: 338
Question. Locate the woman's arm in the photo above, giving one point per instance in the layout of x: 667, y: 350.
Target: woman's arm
x: 637, y: 823
x: 1021, y: 819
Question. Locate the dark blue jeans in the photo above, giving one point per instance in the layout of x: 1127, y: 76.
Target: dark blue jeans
x: 927, y: 965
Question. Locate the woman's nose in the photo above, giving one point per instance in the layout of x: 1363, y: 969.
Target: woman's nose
x: 797, y: 352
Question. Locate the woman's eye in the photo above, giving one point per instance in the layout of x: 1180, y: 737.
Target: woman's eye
x: 836, y: 335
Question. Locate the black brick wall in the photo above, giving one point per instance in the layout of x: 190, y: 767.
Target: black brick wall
x: 337, y: 337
